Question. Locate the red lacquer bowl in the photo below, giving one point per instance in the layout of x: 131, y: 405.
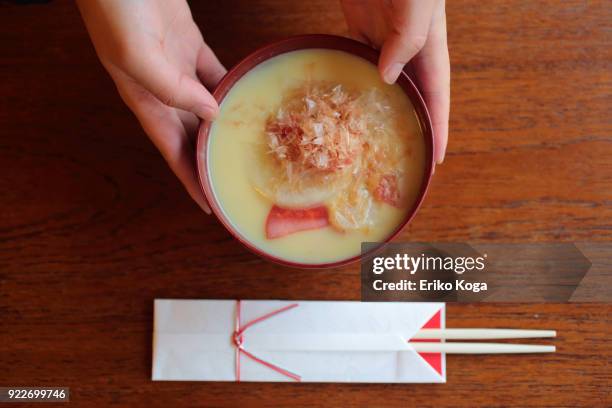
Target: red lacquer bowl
x: 317, y: 41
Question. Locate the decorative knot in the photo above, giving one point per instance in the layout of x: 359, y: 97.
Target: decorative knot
x: 237, y: 339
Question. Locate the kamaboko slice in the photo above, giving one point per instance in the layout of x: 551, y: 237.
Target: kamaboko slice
x: 285, y: 221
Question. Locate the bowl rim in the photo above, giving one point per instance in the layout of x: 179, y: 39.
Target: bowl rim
x: 295, y: 43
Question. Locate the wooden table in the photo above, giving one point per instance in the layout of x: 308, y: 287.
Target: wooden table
x: 93, y: 226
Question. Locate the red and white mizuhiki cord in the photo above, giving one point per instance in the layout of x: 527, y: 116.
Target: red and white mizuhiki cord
x: 238, y: 340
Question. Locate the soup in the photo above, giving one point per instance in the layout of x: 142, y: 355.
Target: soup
x: 313, y: 154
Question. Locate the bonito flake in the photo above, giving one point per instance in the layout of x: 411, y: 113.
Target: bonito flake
x: 330, y: 145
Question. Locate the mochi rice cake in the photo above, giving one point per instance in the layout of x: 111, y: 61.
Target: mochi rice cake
x: 312, y: 154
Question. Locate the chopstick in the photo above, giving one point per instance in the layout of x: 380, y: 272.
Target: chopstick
x: 480, y: 348
x: 482, y: 334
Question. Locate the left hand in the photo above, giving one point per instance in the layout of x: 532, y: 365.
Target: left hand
x: 163, y: 70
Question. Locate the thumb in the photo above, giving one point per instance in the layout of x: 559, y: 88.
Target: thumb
x: 410, y: 21
x: 175, y: 88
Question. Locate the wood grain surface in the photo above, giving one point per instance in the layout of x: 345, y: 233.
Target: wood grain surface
x: 93, y: 225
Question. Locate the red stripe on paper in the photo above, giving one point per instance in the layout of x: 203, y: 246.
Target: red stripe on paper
x: 433, y: 359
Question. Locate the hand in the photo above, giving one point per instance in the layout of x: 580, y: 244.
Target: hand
x: 162, y: 68
x: 409, y: 32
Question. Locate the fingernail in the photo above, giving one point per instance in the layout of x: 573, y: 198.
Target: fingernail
x: 203, y: 204
x: 205, y: 207
x: 391, y: 73
x: 207, y: 112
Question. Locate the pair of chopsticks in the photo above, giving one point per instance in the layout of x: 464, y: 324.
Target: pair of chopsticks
x: 480, y: 334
